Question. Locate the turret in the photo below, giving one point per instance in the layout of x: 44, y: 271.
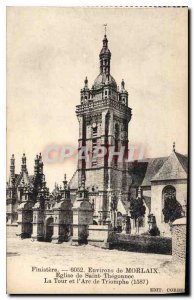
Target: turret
x: 85, y: 92
x: 12, y: 169
x: 36, y: 165
x: 82, y: 192
x: 66, y: 188
x: 123, y: 96
x: 23, y: 166
x: 105, y: 56
x: 40, y: 164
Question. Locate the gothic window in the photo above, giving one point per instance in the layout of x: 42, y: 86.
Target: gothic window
x: 106, y: 92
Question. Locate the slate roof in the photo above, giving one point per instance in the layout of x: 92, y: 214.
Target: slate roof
x: 142, y: 171
x: 151, y: 169
x: 154, y: 165
x: 183, y: 159
x: 175, y: 167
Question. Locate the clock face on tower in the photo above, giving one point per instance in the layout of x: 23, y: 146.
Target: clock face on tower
x: 94, y: 125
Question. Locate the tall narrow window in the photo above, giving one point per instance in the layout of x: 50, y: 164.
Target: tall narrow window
x: 94, y: 143
x: 94, y: 160
x: 116, y: 143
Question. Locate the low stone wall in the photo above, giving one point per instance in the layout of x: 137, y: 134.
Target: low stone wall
x: 141, y: 243
x: 179, y: 240
x: 99, y: 235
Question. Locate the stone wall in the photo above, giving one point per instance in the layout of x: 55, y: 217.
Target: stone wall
x: 99, y: 235
x: 141, y: 243
x: 179, y: 240
x: 95, y: 177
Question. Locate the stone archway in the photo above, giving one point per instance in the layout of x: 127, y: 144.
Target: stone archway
x: 48, y: 229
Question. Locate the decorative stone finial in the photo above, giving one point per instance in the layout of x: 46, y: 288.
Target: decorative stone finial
x: 12, y: 160
x: 105, y: 25
x: 122, y: 84
x: 86, y: 82
x: 23, y: 167
x: 40, y: 156
x: 173, y: 146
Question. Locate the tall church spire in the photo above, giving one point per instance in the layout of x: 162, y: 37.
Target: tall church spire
x: 105, y: 56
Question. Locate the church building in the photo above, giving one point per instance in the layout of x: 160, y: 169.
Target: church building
x: 110, y: 184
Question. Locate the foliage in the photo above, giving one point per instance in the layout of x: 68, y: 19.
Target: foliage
x: 172, y: 209
x: 137, y: 208
x: 154, y: 231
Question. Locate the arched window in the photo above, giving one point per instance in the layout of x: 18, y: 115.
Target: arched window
x: 168, y: 193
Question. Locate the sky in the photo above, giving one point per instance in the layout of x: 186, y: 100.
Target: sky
x: 51, y: 50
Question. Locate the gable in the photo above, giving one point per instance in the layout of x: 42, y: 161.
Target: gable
x: 24, y: 176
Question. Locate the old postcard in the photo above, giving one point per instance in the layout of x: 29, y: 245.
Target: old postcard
x: 97, y: 150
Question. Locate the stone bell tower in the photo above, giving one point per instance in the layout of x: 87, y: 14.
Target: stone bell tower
x: 103, y: 116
